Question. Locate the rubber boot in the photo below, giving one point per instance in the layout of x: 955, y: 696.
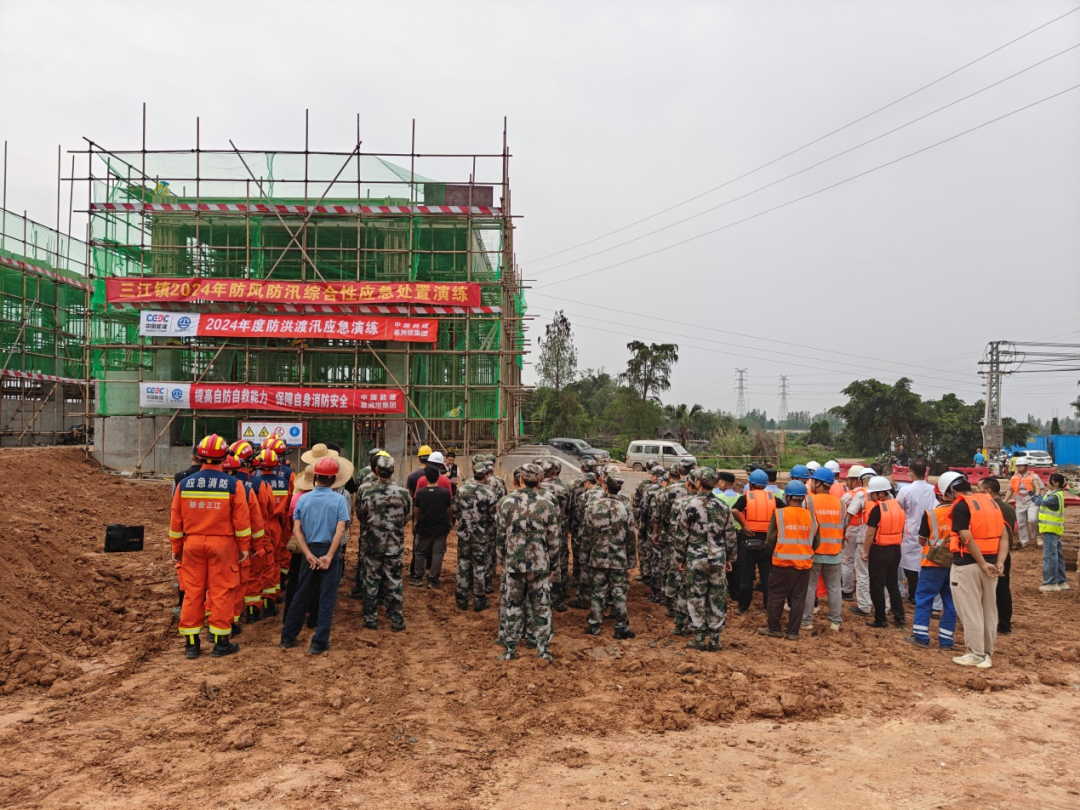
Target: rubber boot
x: 237, y: 629
x: 192, y: 646
x: 253, y: 614
x: 480, y: 604
x: 680, y: 628
x: 714, y: 643
x: 626, y: 632
x: 223, y: 647
x: 269, y: 607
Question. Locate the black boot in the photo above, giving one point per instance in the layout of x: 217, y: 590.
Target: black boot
x: 269, y: 607
x: 237, y: 629
x: 253, y: 614
x: 625, y: 633
x: 192, y: 647
x: 223, y: 647
x: 481, y: 603
x: 714, y: 643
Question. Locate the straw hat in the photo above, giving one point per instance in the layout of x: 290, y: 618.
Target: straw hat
x: 306, y: 480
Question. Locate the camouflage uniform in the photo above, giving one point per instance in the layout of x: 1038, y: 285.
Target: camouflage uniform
x: 649, y: 504
x: 528, y: 522
x: 675, y: 580
x: 705, y: 540
x: 383, y: 510
x: 577, y: 530
x: 499, y: 485
x: 637, y: 501
x: 560, y: 493
x: 663, y: 582
x: 611, y: 555
x: 474, y: 511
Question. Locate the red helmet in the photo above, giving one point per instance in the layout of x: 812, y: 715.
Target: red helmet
x: 242, y: 449
x: 231, y: 462
x: 265, y: 459
x: 326, y: 466
x: 213, y: 448
x: 279, y: 446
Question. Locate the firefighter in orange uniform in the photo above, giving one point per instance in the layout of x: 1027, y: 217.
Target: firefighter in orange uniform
x: 233, y: 466
x: 284, y: 482
x: 792, y: 537
x: 265, y: 463
x: 210, y: 531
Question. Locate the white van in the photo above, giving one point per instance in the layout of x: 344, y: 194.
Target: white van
x: 641, y: 453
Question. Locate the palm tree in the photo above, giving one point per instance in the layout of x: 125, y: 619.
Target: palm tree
x: 683, y: 417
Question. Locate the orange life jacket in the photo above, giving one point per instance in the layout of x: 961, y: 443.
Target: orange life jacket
x: 760, y: 507
x: 860, y: 518
x: 986, y: 524
x: 940, y: 520
x: 828, y: 512
x: 794, y: 548
x: 838, y: 489
x: 1027, y: 481
x: 890, y: 528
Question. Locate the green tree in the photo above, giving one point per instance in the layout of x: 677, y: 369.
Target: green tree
x: 648, y: 371
x: 557, y: 362
x: 1055, y: 427
x: 819, y: 433
x: 878, y: 414
x: 685, y: 419
x: 554, y: 413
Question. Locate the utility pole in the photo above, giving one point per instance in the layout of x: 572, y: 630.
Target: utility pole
x: 783, y: 400
x: 740, y: 404
x: 993, y: 433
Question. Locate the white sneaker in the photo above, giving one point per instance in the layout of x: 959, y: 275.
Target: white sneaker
x: 986, y: 663
x: 807, y: 625
x: 1063, y: 586
x: 968, y: 660
x: 834, y: 626
x: 1048, y: 588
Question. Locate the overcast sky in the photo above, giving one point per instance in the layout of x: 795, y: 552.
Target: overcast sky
x: 619, y: 110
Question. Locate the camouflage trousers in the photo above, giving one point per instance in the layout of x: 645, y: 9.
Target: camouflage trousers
x: 657, y: 554
x: 609, y: 587
x: 383, y: 571
x: 575, y: 552
x: 564, y: 561
x: 527, y: 595
x: 473, y: 554
x: 644, y: 554
x: 705, y: 595
x: 558, y: 584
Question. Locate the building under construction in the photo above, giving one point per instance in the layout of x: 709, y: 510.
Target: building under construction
x: 346, y: 291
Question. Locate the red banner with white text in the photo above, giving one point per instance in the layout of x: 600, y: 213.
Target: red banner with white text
x: 154, y: 323
x: 221, y: 397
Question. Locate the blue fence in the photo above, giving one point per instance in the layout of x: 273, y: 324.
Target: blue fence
x: 1064, y: 449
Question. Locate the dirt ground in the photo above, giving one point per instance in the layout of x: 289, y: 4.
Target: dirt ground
x: 99, y: 708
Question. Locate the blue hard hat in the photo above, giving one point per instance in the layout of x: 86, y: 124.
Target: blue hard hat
x: 795, y: 489
x: 824, y: 475
x: 759, y: 478
x: 800, y: 471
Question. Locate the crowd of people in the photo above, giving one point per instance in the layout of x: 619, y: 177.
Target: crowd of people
x: 249, y: 534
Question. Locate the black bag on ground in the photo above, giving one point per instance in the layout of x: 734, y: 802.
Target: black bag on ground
x: 119, y: 537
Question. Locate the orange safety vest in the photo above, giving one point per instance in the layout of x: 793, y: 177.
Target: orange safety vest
x: 890, y: 528
x: 828, y: 512
x: 859, y: 519
x: 1027, y: 481
x: 986, y: 524
x: 838, y: 489
x: 794, y: 548
x: 940, y: 520
x: 760, y: 507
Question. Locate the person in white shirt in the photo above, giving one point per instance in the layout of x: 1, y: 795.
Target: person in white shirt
x: 855, y: 503
x: 915, y: 499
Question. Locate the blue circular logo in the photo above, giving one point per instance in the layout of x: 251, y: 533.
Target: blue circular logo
x: 184, y: 323
x: 294, y: 431
x: 177, y: 394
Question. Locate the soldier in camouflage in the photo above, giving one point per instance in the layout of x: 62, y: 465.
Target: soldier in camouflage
x: 502, y: 520
x: 499, y: 485
x: 577, y: 490
x: 676, y: 582
x: 528, y: 522
x: 705, y: 544
x: 369, y: 473
x: 474, y: 512
x: 560, y: 493
x: 644, y: 540
x: 663, y: 583
x: 367, y: 478
x: 649, y: 504
x: 382, y: 513
x: 611, y: 555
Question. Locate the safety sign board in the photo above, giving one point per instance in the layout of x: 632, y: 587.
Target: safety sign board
x: 294, y: 433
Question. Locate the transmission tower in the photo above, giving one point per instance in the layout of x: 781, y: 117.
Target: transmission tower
x: 783, y: 399
x: 740, y: 404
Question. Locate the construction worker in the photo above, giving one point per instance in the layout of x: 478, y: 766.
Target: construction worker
x: 857, y: 503
x: 210, y: 531
x: 1051, y: 528
x: 233, y: 466
x: 754, y: 511
x: 838, y: 488
x: 812, y: 465
x: 915, y: 499
x: 791, y: 539
x: 935, y: 529
x: 828, y: 515
x: 800, y: 472
x: 725, y: 488
x: 992, y: 487
x: 885, y: 521
x: 979, y: 542
x: 1025, y: 487
x: 422, y: 455
x: 265, y: 464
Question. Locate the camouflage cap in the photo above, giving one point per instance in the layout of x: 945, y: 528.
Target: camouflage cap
x: 612, y: 469
x: 532, y: 474
x: 614, y: 482
x: 691, y: 476
x: 479, y: 458
x: 675, y: 469
x: 708, y: 476
x: 656, y: 469
x: 384, y: 465
x: 548, y: 465
x: 687, y: 465
x: 589, y: 478
x: 490, y: 457
x: 517, y: 471
x: 482, y: 469
x: 588, y: 465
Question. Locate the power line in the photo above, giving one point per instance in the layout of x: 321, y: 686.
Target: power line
x: 819, y: 191
x: 816, y: 140
x: 808, y: 168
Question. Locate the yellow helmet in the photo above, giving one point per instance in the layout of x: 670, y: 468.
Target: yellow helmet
x: 382, y: 453
x: 423, y: 451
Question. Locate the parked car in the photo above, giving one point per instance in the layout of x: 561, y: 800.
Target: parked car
x: 1036, y: 458
x: 643, y: 452
x: 580, y: 449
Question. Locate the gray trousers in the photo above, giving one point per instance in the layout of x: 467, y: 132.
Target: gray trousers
x: 427, y: 553
x: 831, y: 572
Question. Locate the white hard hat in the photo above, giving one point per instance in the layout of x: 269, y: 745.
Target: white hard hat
x: 833, y: 466
x: 1021, y: 461
x: 436, y: 458
x: 879, y: 483
x: 867, y: 472
x: 947, y: 480
x: 855, y: 470
x: 813, y: 465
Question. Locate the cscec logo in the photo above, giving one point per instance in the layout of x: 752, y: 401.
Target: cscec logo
x: 184, y: 324
x: 177, y: 394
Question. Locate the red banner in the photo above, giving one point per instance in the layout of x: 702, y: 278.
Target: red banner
x: 337, y: 293
x: 338, y: 327
x: 221, y: 397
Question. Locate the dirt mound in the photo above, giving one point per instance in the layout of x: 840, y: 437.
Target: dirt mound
x: 68, y: 608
